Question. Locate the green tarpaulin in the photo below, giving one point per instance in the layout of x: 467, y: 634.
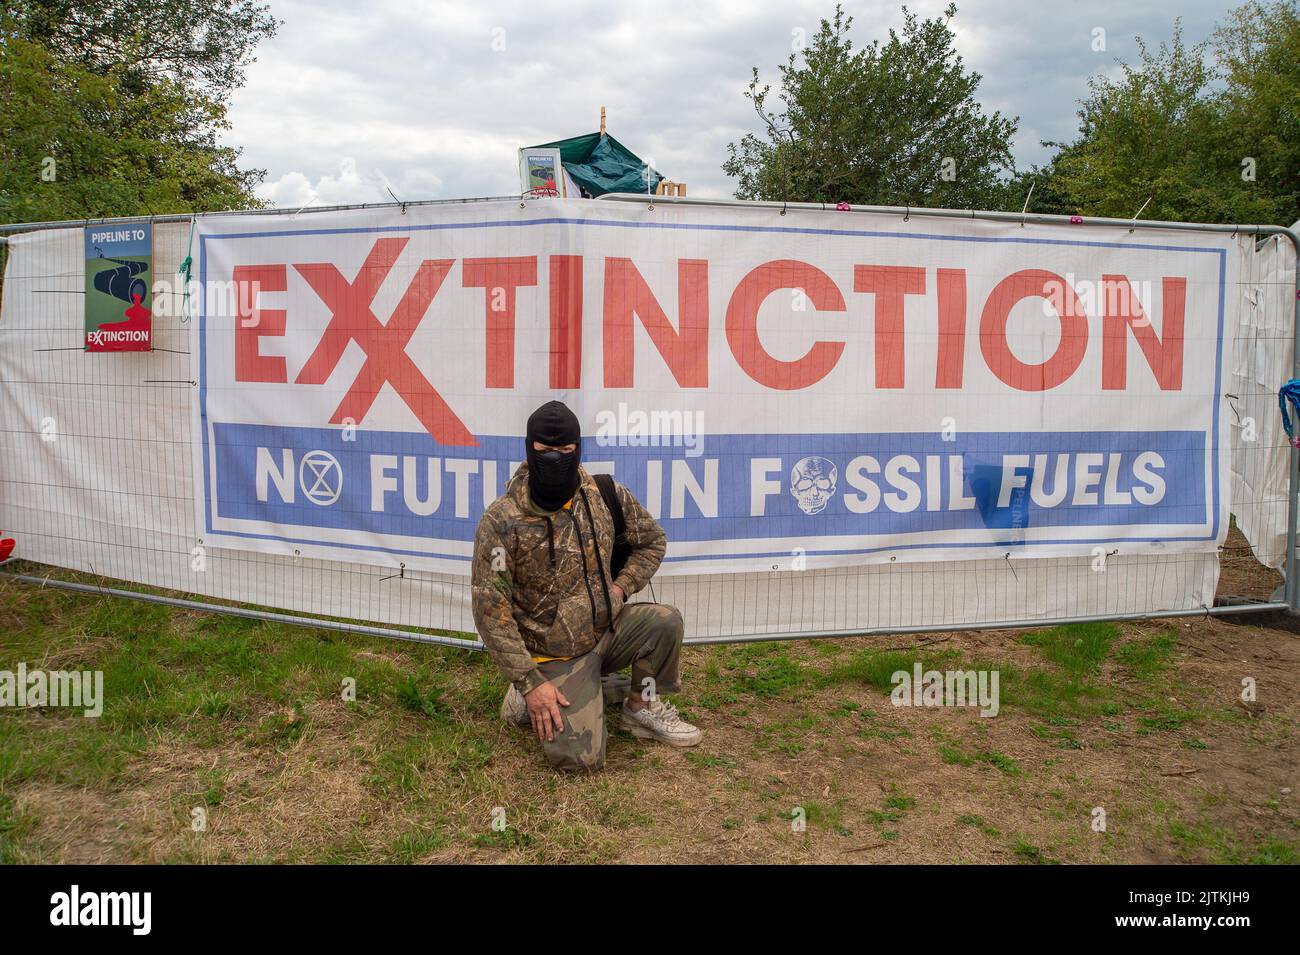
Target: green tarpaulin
x: 601, y: 164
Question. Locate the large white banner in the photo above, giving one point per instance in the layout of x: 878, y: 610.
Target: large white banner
x: 827, y: 389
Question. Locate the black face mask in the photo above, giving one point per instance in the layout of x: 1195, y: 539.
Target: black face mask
x: 553, y: 476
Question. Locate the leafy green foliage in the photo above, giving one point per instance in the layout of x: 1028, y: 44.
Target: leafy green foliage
x: 892, y: 123
x: 1156, y: 133
x: 1258, y: 53
x: 114, y: 107
x: 1207, y: 133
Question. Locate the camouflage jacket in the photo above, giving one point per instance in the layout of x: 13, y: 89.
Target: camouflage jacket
x: 536, y: 582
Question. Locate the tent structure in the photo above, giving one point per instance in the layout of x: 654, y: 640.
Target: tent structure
x: 598, y: 163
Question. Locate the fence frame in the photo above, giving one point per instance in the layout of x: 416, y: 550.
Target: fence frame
x: 1290, y: 595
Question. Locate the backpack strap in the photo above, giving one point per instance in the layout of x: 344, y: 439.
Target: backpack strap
x: 621, y: 550
x: 610, y: 496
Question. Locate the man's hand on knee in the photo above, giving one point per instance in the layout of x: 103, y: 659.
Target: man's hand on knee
x: 544, y: 704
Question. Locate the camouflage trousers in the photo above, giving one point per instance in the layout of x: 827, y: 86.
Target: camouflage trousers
x: 646, y: 636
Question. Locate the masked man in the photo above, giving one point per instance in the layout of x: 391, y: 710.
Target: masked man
x: 554, y: 617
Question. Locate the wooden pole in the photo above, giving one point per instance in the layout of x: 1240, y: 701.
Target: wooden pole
x: 602, y: 121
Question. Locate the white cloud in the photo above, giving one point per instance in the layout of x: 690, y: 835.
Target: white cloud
x: 420, y: 90
x: 293, y: 190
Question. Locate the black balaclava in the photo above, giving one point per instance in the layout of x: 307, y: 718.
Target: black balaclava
x: 553, y: 475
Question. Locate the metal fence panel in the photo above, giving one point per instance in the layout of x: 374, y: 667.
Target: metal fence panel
x: 135, y: 410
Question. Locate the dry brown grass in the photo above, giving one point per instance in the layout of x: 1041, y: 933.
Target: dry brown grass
x: 1184, y: 770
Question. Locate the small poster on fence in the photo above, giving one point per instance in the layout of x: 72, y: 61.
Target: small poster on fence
x: 541, y: 173
x: 119, y: 283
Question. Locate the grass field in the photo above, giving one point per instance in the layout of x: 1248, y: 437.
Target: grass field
x: 246, y: 721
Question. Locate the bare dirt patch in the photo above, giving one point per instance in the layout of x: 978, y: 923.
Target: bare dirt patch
x: 805, y: 758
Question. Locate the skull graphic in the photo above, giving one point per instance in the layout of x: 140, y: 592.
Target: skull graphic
x: 812, y: 483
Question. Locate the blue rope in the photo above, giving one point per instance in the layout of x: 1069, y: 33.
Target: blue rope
x: 1289, y: 392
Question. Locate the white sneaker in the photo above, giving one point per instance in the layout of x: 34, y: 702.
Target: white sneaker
x: 661, y: 721
x: 514, y: 709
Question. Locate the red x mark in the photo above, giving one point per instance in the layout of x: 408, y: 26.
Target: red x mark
x: 384, y: 345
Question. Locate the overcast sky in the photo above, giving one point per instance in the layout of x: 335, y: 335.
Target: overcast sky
x: 434, y: 98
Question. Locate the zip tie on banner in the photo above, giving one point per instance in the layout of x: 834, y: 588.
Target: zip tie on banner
x: 184, y: 270
x: 1289, y: 392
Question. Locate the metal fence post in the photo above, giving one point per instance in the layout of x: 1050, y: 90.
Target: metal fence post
x: 1292, y: 585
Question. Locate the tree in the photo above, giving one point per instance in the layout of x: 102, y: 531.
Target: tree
x: 1258, y: 52
x: 1156, y: 134
x: 894, y: 123
x: 1036, y: 189
x: 114, y: 107
x: 1207, y: 133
